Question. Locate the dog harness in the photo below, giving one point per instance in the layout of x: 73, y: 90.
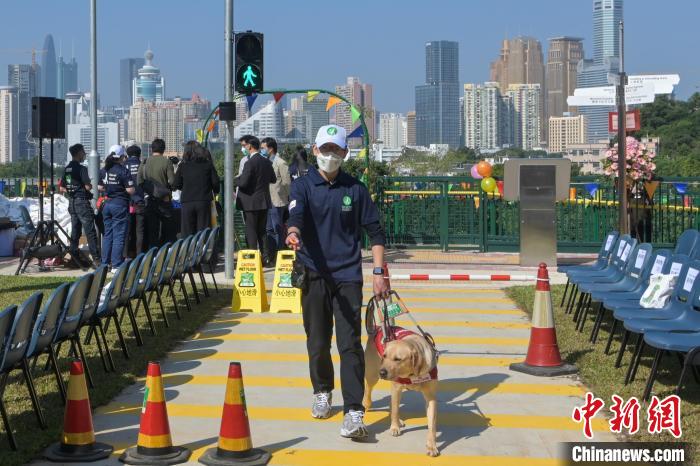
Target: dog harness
x: 399, y: 333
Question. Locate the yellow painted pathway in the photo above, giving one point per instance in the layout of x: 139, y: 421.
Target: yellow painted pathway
x: 488, y: 415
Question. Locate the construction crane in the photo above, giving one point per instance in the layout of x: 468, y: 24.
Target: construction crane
x: 34, y: 51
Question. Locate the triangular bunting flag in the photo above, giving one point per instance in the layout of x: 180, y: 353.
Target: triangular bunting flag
x: 650, y: 187
x: 362, y: 154
x: 212, y: 123
x: 251, y: 101
x: 358, y: 133
x: 200, y: 135
x: 332, y: 102
x: 278, y: 96
x: 311, y: 95
x: 355, y: 114
x: 216, y: 112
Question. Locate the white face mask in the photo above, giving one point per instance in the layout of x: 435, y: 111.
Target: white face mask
x: 328, y: 162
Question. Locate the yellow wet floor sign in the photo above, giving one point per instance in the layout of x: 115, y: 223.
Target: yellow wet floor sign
x: 285, y: 298
x: 249, y: 283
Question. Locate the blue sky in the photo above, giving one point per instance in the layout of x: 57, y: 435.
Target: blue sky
x: 314, y: 43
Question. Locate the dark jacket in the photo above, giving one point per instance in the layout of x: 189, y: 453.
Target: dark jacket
x: 197, y: 180
x: 254, y: 184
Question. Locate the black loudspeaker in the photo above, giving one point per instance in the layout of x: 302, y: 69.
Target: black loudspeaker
x: 48, y: 118
x: 227, y: 111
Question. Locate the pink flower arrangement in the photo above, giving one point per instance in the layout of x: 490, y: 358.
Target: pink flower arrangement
x: 639, y: 158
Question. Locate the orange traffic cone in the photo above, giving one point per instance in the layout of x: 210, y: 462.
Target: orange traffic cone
x: 543, y: 358
x: 154, y: 446
x: 235, y: 445
x: 78, y: 439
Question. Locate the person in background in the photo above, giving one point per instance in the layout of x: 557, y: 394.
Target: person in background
x: 254, y: 193
x: 76, y: 184
x: 245, y: 149
x: 156, y: 176
x: 197, y: 178
x: 134, y: 244
x: 279, y: 195
x: 299, y: 166
x: 118, y: 186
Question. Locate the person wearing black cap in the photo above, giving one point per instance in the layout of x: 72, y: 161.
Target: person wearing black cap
x: 137, y: 217
x: 75, y: 183
x: 118, y: 186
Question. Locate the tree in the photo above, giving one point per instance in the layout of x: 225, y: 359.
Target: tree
x: 22, y: 169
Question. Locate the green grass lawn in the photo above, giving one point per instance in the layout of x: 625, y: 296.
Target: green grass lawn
x: 599, y: 374
x: 30, y: 437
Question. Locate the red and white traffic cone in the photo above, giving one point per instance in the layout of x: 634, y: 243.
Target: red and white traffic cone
x: 543, y: 358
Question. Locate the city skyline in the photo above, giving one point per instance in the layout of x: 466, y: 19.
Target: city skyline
x: 388, y: 54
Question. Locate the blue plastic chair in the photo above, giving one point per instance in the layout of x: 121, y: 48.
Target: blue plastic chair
x: 122, y: 297
x: 15, y: 349
x: 44, y: 331
x: 167, y: 275
x: 210, y: 257
x: 688, y: 242
x: 194, y: 265
x: 157, y: 270
x: 138, y: 287
x: 7, y: 316
x: 92, y: 301
x: 179, y: 272
x: 69, y: 322
x: 109, y: 303
x: 606, y: 249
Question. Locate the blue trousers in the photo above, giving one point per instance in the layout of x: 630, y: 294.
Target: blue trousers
x: 275, y: 229
x: 115, y: 215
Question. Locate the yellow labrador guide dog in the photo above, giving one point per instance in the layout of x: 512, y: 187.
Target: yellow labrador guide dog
x: 406, y: 358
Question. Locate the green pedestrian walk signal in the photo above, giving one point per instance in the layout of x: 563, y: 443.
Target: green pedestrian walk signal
x: 249, y: 62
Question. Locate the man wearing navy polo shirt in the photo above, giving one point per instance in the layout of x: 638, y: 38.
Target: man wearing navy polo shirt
x: 328, y: 210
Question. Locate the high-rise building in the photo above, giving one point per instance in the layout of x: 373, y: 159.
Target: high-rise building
x: 484, y: 116
x: 525, y: 101
x: 566, y: 131
x: 360, y: 95
x: 128, y: 71
x: 24, y: 78
x: 149, y: 85
x: 607, y: 15
x: 411, y: 128
x: 66, y: 77
x: 80, y: 133
x: 48, y: 69
x: 521, y: 62
x: 392, y: 130
x: 165, y: 120
x: 9, y: 120
x: 563, y: 56
x: 437, y: 101
x: 266, y: 122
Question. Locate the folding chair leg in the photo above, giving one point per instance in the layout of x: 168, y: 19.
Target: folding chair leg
x: 175, y: 305
x: 597, y: 323
x: 108, y: 352
x: 636, y: 358
x: 134, y: 324
x: 88, y: 374
x: 5, y: 417
x: 652, y: 375
x: 32, y: 394
x: 566, y: 290
x: 194, y: 287
x: 623, y: 345
x: 184, y: 293
x: 102, y: 355
x: 120, y: 336
x: 213, y: 279
x: 582, y: 297
x: 611, y: 336
x: 584, y: 315
x: 149, y: 316
x: 572, y: 299
x: 204, y: 282
x: 159, y: 298
x: 57, y: 373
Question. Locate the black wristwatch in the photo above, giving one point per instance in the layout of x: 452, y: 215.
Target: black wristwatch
x: 378, y: 271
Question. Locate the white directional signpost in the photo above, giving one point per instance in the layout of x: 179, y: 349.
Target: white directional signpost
x: 624, y: 90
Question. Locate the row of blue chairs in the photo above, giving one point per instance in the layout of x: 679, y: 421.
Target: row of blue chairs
x: 31, y: 329
x: 614, y: 284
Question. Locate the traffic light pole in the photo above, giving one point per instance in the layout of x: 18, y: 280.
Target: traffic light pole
x: 94, y: 158
x: 229, y: 168
x: 622, y: 141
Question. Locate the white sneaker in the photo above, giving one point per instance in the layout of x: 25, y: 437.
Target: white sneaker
x: 354, y: 425
x: 321, y: 407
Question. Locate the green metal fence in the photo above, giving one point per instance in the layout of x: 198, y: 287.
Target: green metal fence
x: 453, y: 213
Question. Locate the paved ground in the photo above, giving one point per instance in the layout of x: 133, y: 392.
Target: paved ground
x: 488, y: 415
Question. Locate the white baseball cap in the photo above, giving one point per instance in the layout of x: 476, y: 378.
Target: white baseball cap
x: 331, y: 133
x: 117, y: 150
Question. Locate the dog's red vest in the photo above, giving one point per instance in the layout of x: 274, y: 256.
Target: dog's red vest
x: 399, y: 334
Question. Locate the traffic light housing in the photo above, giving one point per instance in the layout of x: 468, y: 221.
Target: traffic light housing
x: 249, y: 62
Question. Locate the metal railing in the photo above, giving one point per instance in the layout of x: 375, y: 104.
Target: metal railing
x: 453, y: 213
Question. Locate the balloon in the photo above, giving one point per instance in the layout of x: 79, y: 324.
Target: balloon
x: 500, y: 186
x: 484, y: 168
x: 488, y: 185
x: 475, y: 173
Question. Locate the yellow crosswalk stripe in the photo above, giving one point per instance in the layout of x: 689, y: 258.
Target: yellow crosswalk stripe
x: 240, y: 318
x: 428, y: 290
x: 447, y: 419
x: 205, y: 354
x: 174, y: 380
x: 431, y: 299
x: 443, y: 340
